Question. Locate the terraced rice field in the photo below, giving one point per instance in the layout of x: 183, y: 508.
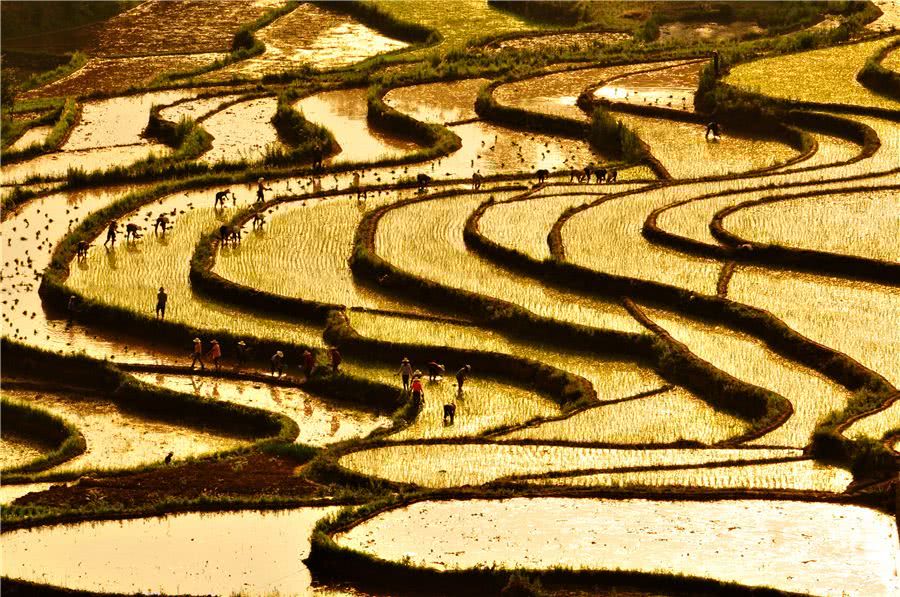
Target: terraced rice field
x: 812, y: 395
x: 256, y: 551
x: 310, y: 36
x: 723, y: 489
x: 671, y: 416
x: 668, y: 88
x: 344, y: 114
x: 320, y: 423
x: 484, y: 405
x: 685, y: 153
x: 242, y: 132
x: 118, y: 439
x: 121, y: 277
x: 454, y: 465
x: 796, y: 475
x: 821, y: 76
x: 867, y: 221
x: 437, y: 102
x: 644, y: 535
x: 437, y: 252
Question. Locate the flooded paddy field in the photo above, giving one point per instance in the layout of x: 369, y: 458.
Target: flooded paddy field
x: 780, y: 542
x: 257, y: 552
x: 320, y: 422
x: 604, y: 415
x: 117, y: 438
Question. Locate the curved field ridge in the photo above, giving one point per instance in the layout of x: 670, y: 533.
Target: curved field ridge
x: 792, y: 546
x: 260, y: 552
x: 460, y: 464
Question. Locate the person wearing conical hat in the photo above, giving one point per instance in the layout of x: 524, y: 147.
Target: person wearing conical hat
x: 260, y: 188
x: 242, y: 352
x: 462, y: 375
x: 198, y: 354
x: 215, y: 354
x: 405, y: 373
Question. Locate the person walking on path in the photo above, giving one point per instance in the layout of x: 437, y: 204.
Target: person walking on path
x: 435, y: 369
x: 335, y: 359
x: 71, y: 307
x: 260, y: 190
x: 198, y: 354
x: 715, y: 59
x: 215, y: 355
x: 308, y: 363
x: 278, y: 363
x: 418, y: 391
x: 111, y: 233
x: 462, y: 375
x: 242, y: 353
x: 161, y: 299
x: 405, y: 373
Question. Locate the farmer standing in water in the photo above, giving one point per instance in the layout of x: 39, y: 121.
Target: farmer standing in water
x: 198, y: 354
x: 111, y: 233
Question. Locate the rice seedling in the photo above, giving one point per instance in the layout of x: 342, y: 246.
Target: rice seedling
x: 10, y: 493
x: 456, y: 465
x: 320, y: 423
x: 607, y: 238
x: 261, y: 550
x: 131, y: 274
x: 876, y: 426
x: 811, y: 394
x: 309, y: 36
x: 557, y: 93
x: 612, y: 379
x: 798, y: 475
x: 483, y: 405
x: 779, y: 543
x: 850, y: 316
x: 457, y: 22
x: 313, y: 241
x: 242, y: 132
x: 669, y: 88
x: 195, y: 109
x: 825, y: 76
x: 426, y: 239
x: 118, y: 439
x: 437, y: 102
x: 682, y: 149
x: 34, y: 135
x: 670, y: 416
x: 524, y: 225
x: 862, y: 224
x: 344, y: 113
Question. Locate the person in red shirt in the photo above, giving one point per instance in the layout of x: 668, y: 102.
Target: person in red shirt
x: 418, y: 392
x: 215, y: 355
